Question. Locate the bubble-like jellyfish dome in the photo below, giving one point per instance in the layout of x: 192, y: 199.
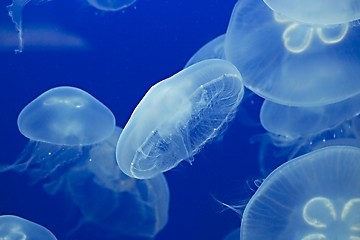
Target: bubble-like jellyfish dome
x: 60, y: 123
x: 178, y: 116
x: 111, y: 5
x: 314, y: 196
x: 66, y: 116
x: 291, y: 63
x: 14, y: 227
x: 317, y: 12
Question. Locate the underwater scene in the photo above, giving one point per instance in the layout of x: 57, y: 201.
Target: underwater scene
x: 172, y: 120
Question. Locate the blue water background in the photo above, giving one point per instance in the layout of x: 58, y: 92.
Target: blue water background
x: 128, y: 52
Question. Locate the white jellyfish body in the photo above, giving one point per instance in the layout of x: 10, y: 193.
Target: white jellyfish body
x: 291, y: 63
x: 14, y: 227
x: 317, y: 12
x: 315, y: 196
x: 111, y: 5
x: 61, y: 123
x: 294, y: 122
x: 178, y: 116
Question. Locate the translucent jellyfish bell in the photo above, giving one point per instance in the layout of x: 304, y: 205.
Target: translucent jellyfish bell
x: 315, y: 196
x: 317, y: 12
x: 178, y: 116
x: 111, y: 5
x: 59, y: 124
x: 291, y: 63
x: 295, y: 122
x: 112, y: 202
x: 13, y: 228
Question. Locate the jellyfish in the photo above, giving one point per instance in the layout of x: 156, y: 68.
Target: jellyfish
x: 111, y: 5
x: 319, y: 12
x: 314, y: 196
x: 112, y: 202
x: 290, y: 63
x: 294, y: 122
x: 15, y: 12
x: 14, y: 227
x: 212, y: 49
x: 178, y: 116
x: 61, y: 123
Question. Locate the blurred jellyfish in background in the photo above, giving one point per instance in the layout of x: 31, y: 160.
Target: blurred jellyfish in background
x: 15, y: 12
x: 294, y: 122
x: 178, y: 116
x: 17, y: 228
x: 318, y: 12
x: 233, y: 235
x: 60, y: 123
x: 212, y: 49
x: 111, y: 5
x: 315, y: 196
x: 111, y: 201
x: 291, y: 63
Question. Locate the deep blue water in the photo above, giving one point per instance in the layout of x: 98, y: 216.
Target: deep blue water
x: 126, y: 53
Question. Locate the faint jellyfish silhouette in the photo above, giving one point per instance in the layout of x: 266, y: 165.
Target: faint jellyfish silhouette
x: 113, y: 202
x: 60, y: 123
x: 314, y: 196
x: 17, y: 228
x: 212, y: 49
x: 178, y: 116
x: 15, y: 12
x: 295, y: 122
x: 233, y: 235
x: 291, y: 63
x: 111, y: 5
x: 319, y: 12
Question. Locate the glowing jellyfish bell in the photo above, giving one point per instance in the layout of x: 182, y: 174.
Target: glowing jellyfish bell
x: 317, y: 12
x: 14, y: 227
x: 178, y: 116
x: 315, y: 196
x: 111, y: 5
x: 291, y: 63
x: 59, y: 123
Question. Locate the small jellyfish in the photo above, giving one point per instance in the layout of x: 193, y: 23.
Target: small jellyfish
x: 294, y: 122
x: 112, y: 202
x: 14, y: 227
x: 317, y: 12
x: 314, y: 196
x: 291, y: 63
x: 111, y: 5
x: 60, y: 123
x: 178, y: 116
x: 212, y: 49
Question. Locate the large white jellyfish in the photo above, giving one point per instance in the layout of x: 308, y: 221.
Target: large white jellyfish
x: 112, y: 202
x: 16, y: 228
x: 315, y: 196
x: 319, y: 11
x: 291, y: 63
x: 60, y: 123
x: 178, y: 116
